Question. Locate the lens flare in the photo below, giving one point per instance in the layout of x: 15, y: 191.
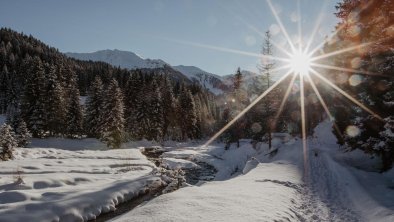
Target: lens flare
x: 300, y: 62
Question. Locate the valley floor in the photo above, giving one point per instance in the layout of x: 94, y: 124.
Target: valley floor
x: 71, y: 180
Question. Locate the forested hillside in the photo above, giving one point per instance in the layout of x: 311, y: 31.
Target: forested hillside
x: 42, y: 87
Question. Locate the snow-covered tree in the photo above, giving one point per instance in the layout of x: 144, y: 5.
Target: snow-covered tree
x: 361, y: 22
x: 187, y: 115
x: 74, y: 116
x: 7, y: 142
x: 133, y: 101
x: 22, y: 134
x: 33, y: 101
x: 94, y: 109
x: 113, y: 123
x: 55, y: 106
x: 168, y: 104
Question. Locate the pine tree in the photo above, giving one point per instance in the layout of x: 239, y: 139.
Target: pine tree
x: 4, y: 75
x: 94, y: 109
x: 237, y: 103
x: 187, y: 116
x: 22, y: 134
x: 266, y: 69
x: 74, y: 116
x: 113, y: 124
x: 238, y: 79
x: 55, y: 105
x: 168, y: 103
x: 33, y: 101
x: 7, y: 142
x: 133, y: 101
x: 155, y: 118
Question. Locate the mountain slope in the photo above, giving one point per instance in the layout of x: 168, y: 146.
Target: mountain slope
x: 130, y: 60
x: 209, y: 81
x: 123, y: 59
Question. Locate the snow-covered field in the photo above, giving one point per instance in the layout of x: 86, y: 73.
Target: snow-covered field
x: 251, y: 186
x: 63, y: 185
x: 75, y: 180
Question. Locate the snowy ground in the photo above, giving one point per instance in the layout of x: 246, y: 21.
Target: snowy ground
x: 334, y: 188
x: 65, y: 185
x: 77, y: 180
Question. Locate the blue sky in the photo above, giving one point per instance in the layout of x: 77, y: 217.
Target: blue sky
x: 164, y: 28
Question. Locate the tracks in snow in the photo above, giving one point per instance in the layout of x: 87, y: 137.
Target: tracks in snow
x: 324, y: 197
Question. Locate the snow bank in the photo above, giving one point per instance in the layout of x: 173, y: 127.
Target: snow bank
x: 63, y: 185
x: 267, y: 193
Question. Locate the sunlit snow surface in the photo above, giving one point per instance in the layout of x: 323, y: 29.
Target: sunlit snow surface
x: 70, y: 182
x: 76, y: 180
x: 275, y: 189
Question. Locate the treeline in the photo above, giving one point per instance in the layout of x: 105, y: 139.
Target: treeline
x: 42, y: 87
x: 368, y: 25
x: 266, y: 117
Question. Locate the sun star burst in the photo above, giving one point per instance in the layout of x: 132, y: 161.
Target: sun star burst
x: 300, y: 62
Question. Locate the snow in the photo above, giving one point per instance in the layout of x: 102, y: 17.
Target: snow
x: 71, y: 180
x: 70, y: 185
x: 243, y: 198
x: 252, y: 186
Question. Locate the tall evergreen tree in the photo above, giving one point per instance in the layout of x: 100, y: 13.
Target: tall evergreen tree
x: 22, y: 134
x: 113, y: 124
x: 269, y: 100
x: 54, y: 103
x: 168, y: 103
x: 33, y: 101
x: 133, y: 100
x: 360, y: 22
x: 94, y: 109
x: 7, y: 142
x: 155, y: 118
x: 74, y: 116
x: 187, y: 116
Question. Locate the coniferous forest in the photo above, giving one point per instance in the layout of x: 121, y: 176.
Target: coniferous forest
x: 42, y: 88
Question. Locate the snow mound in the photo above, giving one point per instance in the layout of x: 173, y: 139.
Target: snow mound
x: 263, y: 194
x: 54, y: 184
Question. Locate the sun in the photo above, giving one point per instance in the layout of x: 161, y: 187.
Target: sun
x: 300, y: 62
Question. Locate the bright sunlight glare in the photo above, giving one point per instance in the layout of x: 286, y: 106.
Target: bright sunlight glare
x: 300, y: 62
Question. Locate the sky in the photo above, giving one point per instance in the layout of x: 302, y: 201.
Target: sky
x: 179, y: 32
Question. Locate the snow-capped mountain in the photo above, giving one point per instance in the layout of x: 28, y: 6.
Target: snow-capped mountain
x: 123, y: 59
x: 130, y: 60
x: 209, y: 81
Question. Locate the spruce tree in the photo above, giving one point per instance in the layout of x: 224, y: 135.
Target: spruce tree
x: 187, y: 116
x: 74, y: 116
x: 55, y: 105
x: 168, y: 103
x: 113, y: 123
x: 269, y: 100
x: 7, y: 142
x: 94, y: 109
x: 33, y: 101
x: 155, y: 117
x: 133, y: 100
x: 22, y: 134
x: 372, y: 24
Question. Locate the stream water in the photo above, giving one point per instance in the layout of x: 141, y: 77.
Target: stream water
x: 204, y: 172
